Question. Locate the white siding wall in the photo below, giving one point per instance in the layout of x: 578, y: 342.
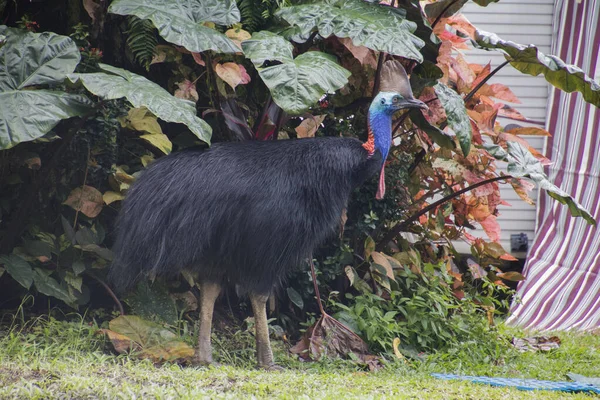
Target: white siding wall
x: 527, y: 21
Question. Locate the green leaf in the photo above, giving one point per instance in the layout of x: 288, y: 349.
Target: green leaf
x: 47, y: 285
x: 375, y: 26
x: 182, y: 21
x: 448, y: 7
x: 33, y: 59
x: 424, y: 75
x: 295, y: 297
x: 458, y: 119
x: 152, y: 301
x: 18, y: 268
x: 298, y: 84
x: 529, y: 60
x: 265, y: 46
x: 522, y: 164
x: 435, y: 133
x: 141, y: 92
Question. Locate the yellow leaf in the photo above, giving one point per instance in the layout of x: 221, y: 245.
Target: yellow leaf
x: 395, y: 345
x: 309, y: 126
x: 142, y: 120
x: 380, y: 259
x: 160, y: 141
x: 146, y: 159
x: 111, y: 197
x: 237, y: 36
x: 230, y: 73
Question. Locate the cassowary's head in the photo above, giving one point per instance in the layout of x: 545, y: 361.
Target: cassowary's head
x: 395, y: 95
x: 389, y: 102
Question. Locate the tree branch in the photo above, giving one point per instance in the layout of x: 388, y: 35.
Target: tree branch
x: 403, y: 225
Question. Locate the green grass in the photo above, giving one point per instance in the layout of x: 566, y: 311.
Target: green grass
x: 58, y: 359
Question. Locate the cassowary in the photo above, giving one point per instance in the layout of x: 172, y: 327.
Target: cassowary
x: 246, y: 213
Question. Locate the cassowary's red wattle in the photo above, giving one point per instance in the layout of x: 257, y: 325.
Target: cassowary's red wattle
x: 246, y: 213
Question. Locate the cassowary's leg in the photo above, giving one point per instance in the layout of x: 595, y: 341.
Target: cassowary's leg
x: 263, y: 346
x: 209, y: 291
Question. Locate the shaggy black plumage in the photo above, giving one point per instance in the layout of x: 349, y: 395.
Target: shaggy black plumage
x: 246, y: 212
x: 249, y: 212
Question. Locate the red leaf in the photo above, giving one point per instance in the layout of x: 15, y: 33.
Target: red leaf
x: 491, y: 227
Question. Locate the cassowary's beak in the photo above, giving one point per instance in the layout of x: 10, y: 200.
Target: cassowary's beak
x: 413, y: 103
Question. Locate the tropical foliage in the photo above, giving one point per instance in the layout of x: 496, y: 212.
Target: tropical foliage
x: 75, y: 133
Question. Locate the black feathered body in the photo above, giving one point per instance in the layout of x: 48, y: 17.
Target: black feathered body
x: 245, y: 212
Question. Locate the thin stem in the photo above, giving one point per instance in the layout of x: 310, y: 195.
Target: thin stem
x: 439, y: 17
x: 487, y: 78
x: 110, y: 292
x: 317, y: 293
x: 403, y: 225
x: 85, y: 175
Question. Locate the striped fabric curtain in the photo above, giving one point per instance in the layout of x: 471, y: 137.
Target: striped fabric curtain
x: 562, y: 286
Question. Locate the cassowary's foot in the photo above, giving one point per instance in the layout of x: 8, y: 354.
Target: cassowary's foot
x: 271, y: 367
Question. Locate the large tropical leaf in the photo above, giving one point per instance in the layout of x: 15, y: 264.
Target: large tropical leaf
x: 529, y: 60
x: 458, y: 119
x: 298, y: 83
x: 375, y: 26
x: 522, y: 164
x: 267, y: 46
x: 27, y: 61
x: 182, y: 22
x: 141, y: 92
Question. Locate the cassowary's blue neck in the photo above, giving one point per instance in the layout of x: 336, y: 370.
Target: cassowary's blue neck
x: 380, y: 132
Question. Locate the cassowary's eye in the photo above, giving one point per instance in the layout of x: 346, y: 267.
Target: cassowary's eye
x: 396, y: 99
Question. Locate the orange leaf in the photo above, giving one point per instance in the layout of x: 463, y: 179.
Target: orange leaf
x: 198, y: 59
x: 491, y: 227
x: 510, y: 112
x: 187, y: 90
x: 230, y: 73
x: 308, y: 127
x: 363, y: 54
x: 121, y: 343
x: 499, y: 91
x: 87, y: 200
x: 522, y: 187
x: 529, y: 130
x: 461, y: 23
x: 511, y: 276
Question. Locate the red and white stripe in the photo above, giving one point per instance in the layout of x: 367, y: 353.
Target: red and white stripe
x: 562, y: 286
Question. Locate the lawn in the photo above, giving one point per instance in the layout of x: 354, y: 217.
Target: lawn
x: 59, y: 359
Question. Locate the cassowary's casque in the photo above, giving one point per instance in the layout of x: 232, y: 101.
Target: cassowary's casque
x: 248, y: 212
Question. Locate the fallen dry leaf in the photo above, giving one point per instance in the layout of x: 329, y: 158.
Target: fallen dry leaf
x: 87, y: 200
